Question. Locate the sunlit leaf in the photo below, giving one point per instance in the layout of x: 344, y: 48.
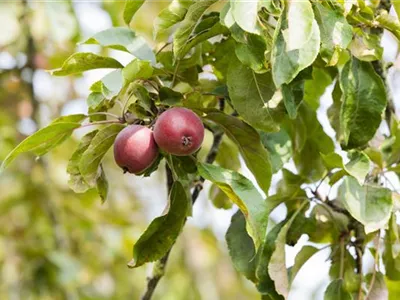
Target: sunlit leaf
x: 171, y: 15
x: 183, y: 33
x: 241, y: 192
x: 371, y: 205
x: 85, y: 61
x: 124, y: 39
x: 46, y: 138
x: 130, y: 9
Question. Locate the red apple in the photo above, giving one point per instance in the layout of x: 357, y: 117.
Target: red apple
x: 179, y: 131
x: 135, y: 149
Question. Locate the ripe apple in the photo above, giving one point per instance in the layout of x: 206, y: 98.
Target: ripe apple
x: 179, y: 131
x: 135, y: 149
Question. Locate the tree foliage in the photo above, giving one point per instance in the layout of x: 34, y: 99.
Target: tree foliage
x: 255, y: 72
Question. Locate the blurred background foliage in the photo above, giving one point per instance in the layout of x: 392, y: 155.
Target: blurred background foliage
x: 55, y: 244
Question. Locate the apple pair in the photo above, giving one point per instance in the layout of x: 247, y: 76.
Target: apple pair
x: 177, y: 131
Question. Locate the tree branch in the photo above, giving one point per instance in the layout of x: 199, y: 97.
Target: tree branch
x: 160, y: 266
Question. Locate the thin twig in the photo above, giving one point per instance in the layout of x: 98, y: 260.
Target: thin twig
x: 101, y: 123
x: 162, y: 48
x: 376, y: 264
x: 341, y: 270
x: 175, y: 73
x: 103, y: 113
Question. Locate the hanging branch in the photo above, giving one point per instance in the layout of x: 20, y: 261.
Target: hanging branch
x: 160, y: 266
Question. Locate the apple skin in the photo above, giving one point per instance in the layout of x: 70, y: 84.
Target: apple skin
x: 179, y: 131
x: 135, y: 149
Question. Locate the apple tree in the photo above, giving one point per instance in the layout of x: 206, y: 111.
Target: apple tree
x: 253, y: 76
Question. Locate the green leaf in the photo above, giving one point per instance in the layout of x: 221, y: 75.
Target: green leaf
x: 124, y: 39
x: 241, y: 192
x: 336, y: 291
x: 308, y: 142
x: 279, y: 147
x: 186, y: 29
x: 314, y: 88
x: 206, y: 29
x: 109, y: 86
x: 84, y: 61
x: 45, y: 139
x: 300, y: 24
x: 248, y: 140
x: 245, y: 13
x: 91, y: 158
x: 252, y: 53
x: 251, y: 96
x: 219, y: 198
x: 364, y: 100
x: 277, y: 265
x: 130, y: 9
x: 163, y: 231
x: 366, y: 47
x: 265, y: 284
x: 286, y: 63
x: 76, y: 181
x: 137, y: 69
x: 102, y: 185
x: 169, y: 96
x: 358, y: 166
x: 371, y: 205
x: 336, y: 33
x: 301, y: 258
x: 241, y: 247
x: 170, y: 16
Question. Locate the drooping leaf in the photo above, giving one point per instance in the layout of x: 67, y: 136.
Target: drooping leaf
x: 371, y: 205
x: 130, y: 9
x: 241, y: 192
x: 364, y: 100
x: 91, y: 158
x: 265, y: 285
x: 124, y: 39
x: 277, y: 265
x: 336, y: 33
x: 251, y: 96
x: 84, y: 61
x: 161, y: 234
x: 248, y: 140
x: 170, y: 16
x: 183, y: 33
x: 45, y: 139
x: 102, y: 185
x: 241, y: 247
x: 76, y: 181
x: 336, y: 291
x: 286, y: 64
